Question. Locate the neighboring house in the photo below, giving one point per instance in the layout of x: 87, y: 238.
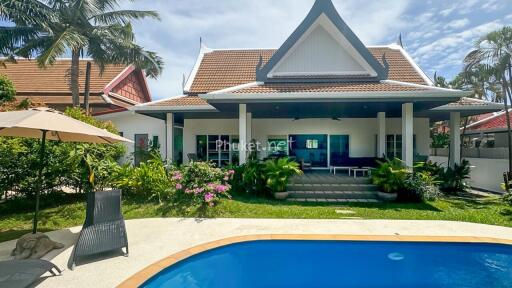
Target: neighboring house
x: 115, y: 89
x: 112, y: 93
x: 336, y: 99
x: 489, y: 131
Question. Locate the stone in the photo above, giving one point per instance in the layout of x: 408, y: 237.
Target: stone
x: 34, y: 246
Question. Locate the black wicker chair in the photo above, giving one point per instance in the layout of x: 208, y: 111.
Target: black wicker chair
x: 23, y: 273
x: 104, y: 229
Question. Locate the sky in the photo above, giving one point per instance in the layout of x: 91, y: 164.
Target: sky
x: 437, y: 33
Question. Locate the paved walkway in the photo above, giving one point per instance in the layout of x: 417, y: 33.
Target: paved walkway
x: 153, y: 239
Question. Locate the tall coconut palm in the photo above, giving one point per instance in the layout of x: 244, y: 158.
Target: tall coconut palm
x: 494, y: 50
x: 48, y: 29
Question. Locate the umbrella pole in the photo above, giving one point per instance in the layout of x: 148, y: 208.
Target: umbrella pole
x: 39, y: 180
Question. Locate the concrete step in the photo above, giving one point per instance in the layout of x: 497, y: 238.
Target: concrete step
x: 333, y: 201
x: 333, y: 195
x: 332, y: 187
x: 330, y: 180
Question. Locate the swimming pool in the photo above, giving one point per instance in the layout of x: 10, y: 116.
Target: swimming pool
x: 299, y: 263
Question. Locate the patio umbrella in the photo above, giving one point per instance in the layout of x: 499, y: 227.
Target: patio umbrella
x: 49, y: 124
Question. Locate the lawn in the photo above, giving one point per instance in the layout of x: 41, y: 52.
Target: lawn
x: 478, y: 210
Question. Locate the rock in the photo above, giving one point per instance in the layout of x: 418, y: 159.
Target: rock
x: 34, y: 246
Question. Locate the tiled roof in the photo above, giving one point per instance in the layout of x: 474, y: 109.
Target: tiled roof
x: 183, y: 101
x: 466, y: 101
x: 329, y: 87
x: 227, y: 68
x: 400, y: 69
x: 28, y: 77
x: 222, y: 69
x: 495, y: 121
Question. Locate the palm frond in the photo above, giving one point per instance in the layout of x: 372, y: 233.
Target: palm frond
x: 34, y: 13
x: 69, y: 38
x: 122, y: 17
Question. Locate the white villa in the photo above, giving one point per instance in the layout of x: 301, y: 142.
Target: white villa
x: 338, y: 100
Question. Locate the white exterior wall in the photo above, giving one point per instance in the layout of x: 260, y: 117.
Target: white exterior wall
x: 486, y: 174
x: 362, y: 131
x: 131, y: 123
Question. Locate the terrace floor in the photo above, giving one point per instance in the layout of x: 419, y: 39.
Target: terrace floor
x: 151, y: 240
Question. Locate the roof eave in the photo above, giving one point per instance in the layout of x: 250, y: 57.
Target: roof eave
x: 413, y: 96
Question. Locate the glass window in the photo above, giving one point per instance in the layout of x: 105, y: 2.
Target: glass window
x: 394, y: 146
x: 141, y: 148
x: 155, y: 144
x: 312, y: 144
x: 277, y: 146
x: 201, y: 148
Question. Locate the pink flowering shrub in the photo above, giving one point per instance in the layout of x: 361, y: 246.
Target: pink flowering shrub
x: 201, y: 183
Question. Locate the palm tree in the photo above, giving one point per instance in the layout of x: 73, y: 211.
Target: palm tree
x: 48, y: 29
x: 494, y: 51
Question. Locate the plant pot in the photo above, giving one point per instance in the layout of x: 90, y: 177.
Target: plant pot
x: 281, y: 195
x: 387, y: 197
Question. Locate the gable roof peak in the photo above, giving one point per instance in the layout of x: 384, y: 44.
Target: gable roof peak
x: 334, y: 31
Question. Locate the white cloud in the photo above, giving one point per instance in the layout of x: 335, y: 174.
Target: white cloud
x: 457, y: 24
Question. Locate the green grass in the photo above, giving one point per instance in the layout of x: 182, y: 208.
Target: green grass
x: 72, y: 213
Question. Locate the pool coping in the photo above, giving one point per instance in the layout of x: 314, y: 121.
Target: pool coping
x: 145, y: 274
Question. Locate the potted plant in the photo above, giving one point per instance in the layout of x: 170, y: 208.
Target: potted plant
x: 390, y: 176
x: 277, y: 173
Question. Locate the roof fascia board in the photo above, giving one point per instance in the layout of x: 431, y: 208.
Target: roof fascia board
x: 202, y: 51
x: 159, y: 101
x: 112, y: 84
x: 321, y: 7
x: 189, y: 108
x: 414, y: 96
x: 413, y: 63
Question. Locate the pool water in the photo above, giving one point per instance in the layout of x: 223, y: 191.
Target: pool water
x: 275, y: 263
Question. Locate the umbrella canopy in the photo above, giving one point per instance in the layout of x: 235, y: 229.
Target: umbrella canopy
x: 31, y: 124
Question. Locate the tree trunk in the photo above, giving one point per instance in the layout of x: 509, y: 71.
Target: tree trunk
x: 466, y: 122
x: 74, y: 73
x: 87, y: 87
x: 504, y: 85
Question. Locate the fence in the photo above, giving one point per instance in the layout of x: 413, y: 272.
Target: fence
x: 486, y: 173
x: 487, y: 153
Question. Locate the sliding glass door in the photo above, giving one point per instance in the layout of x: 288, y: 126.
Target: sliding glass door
x: 310, y: 148
x: 339, y: 149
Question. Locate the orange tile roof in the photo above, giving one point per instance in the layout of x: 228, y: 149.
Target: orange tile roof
x: 328, y: 87
x: 28, y: 77
x: 222, y: 69
x: 227, y: 68
x: 400, y: 69
x: 183, y: 101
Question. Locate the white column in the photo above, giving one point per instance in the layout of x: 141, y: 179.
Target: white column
x: 242, y: 132
x: 169, y: 142
x: 249, y: 127
x: 381, y: 136
x: 454, y: 138
x: 407, y: 134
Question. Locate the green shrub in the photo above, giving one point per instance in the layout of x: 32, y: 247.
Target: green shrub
x: 7, y: 90
x: 201, y: 183
x: 249, y: 179
x: 454, y: 179
x: 410, y: 186
x: 149, y: 180
x: 390, y: 176
x: 83, y: 167
x: 278, y: 172
x: 507, y: 198
x: 440, y: 140
x: 420, y: 186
